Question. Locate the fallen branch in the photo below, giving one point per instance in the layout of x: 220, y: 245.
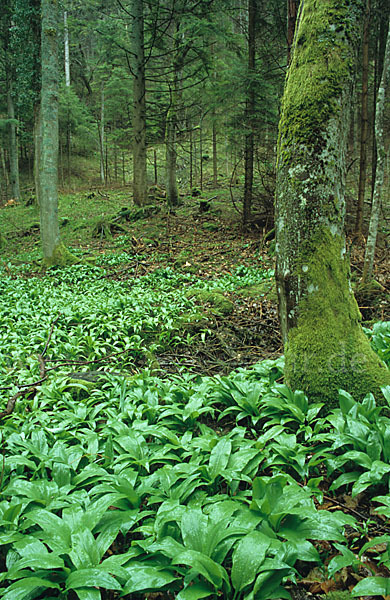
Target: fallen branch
x: 31, y: 387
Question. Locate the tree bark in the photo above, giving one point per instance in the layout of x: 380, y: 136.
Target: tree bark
x: 325, y: 347
x: 249, y: 115
x: 363, y: 124
x: 380, y: 166
x: 48, y: 164
x: 53, y: 251
x: 101, y: 137
x: 215, y: 158
x: 13, y: 145
x: 292, y: 12
x: 139, y: 106
x: 171, y: 156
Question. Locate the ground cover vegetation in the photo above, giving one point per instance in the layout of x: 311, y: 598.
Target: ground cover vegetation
x: 153, y: 307
x: 139, y: 463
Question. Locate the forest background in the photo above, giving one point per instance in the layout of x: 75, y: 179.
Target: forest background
x: 120, y: 368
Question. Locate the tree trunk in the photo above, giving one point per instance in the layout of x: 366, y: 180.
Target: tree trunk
x: 53, y: 251
x: 191, y: 158
x: 384, y: 12
x: 155, y: 166
x: 66, y: 50
x: 37, y: 149
x: 172, y: 119
x: 13, y: 146
x: 5, y: 172
x: 364, y: 124
x: 171, y: 157
x: 250, y: 115
x: 101, y: 137
x: 292, y: 12
x: 215, y: 159
x: 380, y: 167
x: 139, y: 106
x: 325, y: 347
x: 48, y: 164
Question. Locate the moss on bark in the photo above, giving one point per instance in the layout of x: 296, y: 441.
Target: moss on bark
x: 61, y: 257
x: 327, y: 349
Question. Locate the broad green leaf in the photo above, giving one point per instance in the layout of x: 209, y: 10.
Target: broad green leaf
x: 56, y: 532
x: 144, y: 577
x: 372, y: 586
x: 195, y: 591
x: 247, y: 558
x: 85, y: 552
x: 219, y: 457
x: 194, y: 526
x: 267, y: 584
x: 28, y: 588
x: 45, y: 561
x: 204, y: 565
x: 91, y: 577
x: 88, y: 594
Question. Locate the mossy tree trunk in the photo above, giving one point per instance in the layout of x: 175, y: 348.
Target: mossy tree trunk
x: 54, y: 252
x: 139, y: 105
x: 325, y: 346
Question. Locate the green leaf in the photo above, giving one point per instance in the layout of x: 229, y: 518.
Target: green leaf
x: 44, y: 561
x: 88, y: 594
x: 195, y: 592
x: 85, y: 550
x: 247, y: 558
x: 92, y: 577
x: 372, y: 586
x: 28, y: 588
x: 204, y: 565
x: 219, y: 457
x: 268, y: 586
x: 144, y: 577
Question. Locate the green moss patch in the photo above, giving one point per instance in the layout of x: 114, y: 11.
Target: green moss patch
x: 217, y: 302
x: 259, y: 290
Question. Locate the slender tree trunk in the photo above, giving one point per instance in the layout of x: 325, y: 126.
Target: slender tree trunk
x: 101, y: 137
x: 380, y: 167
x: 215, y: 157
x: 53, y: 251
x: 67, y: 85
x: 37, y: 149
x: 5, y: 172
x: 155, y: 166
x: 384, y: 12
x: 66, y: 50
x: 364, y: 123
x: 171, y: 156
x: 201, y: 154
x: 139, y: 106
x: 13, y: 146
x: 48, y: 163
x: 191, y: 159
x: 325, y: 347
x: 250, y: 115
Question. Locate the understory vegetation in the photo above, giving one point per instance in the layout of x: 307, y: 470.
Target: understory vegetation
x: 138, y: 464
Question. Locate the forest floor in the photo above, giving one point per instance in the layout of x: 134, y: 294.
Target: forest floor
x: 205, y: 241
